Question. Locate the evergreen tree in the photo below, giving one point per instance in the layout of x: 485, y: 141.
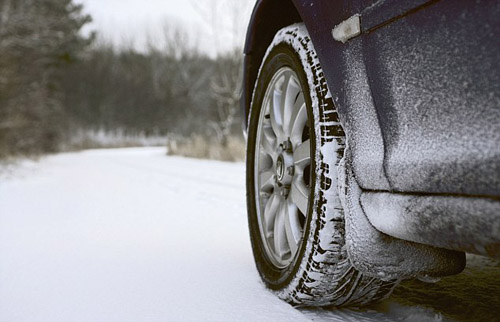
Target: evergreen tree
x: 38, y: 38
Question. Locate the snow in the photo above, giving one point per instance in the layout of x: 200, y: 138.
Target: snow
x: 133, y: 235
x: 347, y: 29
x: 129, y: 235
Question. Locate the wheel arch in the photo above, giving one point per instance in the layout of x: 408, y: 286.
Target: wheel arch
x: 268, y: 17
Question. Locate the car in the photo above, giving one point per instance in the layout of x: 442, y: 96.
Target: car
x: 373, y: 143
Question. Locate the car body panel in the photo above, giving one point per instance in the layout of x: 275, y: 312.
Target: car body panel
x: 418, y: 93
x: 452, y: 222
x: 437, y: 95
x: 379, y: 13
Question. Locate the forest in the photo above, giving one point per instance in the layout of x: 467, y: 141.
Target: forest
x: 58, y: 86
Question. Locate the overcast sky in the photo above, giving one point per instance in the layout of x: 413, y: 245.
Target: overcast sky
x: 213, y: 25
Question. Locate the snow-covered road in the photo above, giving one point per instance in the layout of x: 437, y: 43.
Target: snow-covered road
x: 134, y: 235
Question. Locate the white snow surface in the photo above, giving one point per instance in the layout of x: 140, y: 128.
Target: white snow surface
x: 347, y: 29
x: 133, y: 235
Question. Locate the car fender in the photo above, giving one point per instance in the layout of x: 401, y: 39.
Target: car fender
x: 344, y: 69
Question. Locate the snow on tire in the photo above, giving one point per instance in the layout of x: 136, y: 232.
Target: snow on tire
x: 298, y: 237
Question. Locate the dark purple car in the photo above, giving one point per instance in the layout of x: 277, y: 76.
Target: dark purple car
x: 373, y: 143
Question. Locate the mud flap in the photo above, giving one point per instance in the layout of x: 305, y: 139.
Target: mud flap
x: 379, y: 255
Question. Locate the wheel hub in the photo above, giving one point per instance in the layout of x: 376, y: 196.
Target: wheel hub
x: 284, y: 165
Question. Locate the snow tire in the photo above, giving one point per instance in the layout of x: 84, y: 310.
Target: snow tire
x: 320, y: 273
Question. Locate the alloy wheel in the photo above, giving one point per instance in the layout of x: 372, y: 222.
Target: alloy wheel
x: 282, y: 167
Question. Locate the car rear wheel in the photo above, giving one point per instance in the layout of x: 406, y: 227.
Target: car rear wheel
x: 295, y: 142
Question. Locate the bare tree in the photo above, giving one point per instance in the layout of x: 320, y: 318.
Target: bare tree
x: 226, y: 83
x: 226, y: 86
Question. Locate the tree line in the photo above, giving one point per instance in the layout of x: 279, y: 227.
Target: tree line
x: 54, y: 81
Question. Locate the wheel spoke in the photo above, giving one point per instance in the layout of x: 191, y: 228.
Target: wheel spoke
x: 292, y: 226
x: 298, y: 119
x: 269, y: 141
x: 280, y: 239
x: 292, y: 88
x: 266, y: 180
x: 270, y: 212
x: 284, y: 108
x: 302, y: 154
x: 284, y: 91
x: 300, y: 194
x: 276, y: 116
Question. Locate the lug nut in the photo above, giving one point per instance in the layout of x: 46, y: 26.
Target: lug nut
x: 285, y: 191
x: 287, y: 146
x: 290, y: 170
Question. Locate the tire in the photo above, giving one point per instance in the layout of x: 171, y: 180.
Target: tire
x: 296, y: 220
